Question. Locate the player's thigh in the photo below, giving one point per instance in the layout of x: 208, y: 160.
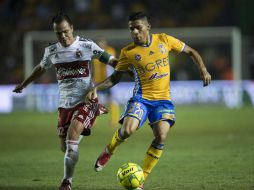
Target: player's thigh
x: 161, y: 118
x: 162, y: 111
x: 134, y: 111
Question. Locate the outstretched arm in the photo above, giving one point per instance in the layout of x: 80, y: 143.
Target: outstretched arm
x: 205, y: 76
x: 36, y: 73
x: 113, y: 62
x: 107, y: 83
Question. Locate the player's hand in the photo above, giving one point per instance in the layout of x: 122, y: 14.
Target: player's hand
x: 206, y: 77
x: 113, y: 62
x: 91, y: 95
x: 18, y: 88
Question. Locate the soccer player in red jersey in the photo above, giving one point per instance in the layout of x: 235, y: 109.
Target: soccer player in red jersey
x: 71, y: 56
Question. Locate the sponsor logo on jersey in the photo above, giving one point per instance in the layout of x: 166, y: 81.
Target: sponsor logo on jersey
x: 66, y: 72
x: 156, y: 76
x: 150, y: 67
x: 78, y: 53
x: 168, y: 116
x: 166, y: 110
x: 52, y: 48
x: 162, y: 48
x: 137, y: 57
x: 151, y: 53
x: 88, y: 46
x: 70, y: 70
x: 96, y: 52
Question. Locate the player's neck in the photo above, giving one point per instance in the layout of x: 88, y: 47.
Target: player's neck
x: 72, y: 40
x: 147, y: 41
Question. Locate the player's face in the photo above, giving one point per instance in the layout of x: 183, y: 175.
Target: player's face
x: 64, y: 33
x: 139, y: 31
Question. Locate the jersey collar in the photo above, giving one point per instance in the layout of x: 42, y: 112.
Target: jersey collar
x: 147, y: 45
x: 76, y: 40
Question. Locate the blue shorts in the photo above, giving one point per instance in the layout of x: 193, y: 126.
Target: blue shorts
x: 161, y: 110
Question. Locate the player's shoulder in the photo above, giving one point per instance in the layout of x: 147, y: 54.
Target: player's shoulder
x: 51, y: 46
x: 52, y: 43
x: 83, y: 39
x: 128, y: 47
x: 85, y: 42
x: 161, y: 36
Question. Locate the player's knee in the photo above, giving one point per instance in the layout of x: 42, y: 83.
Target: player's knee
x: 161, y: 138
x: 128, y: 131
x: 74, y: 130
x: 63, y: 148
x: 130, y: 125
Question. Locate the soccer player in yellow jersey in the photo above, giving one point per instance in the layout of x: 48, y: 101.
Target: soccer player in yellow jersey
x: 147, y: 58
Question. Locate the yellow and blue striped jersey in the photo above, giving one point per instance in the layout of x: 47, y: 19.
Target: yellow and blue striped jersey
x: 150, y: 65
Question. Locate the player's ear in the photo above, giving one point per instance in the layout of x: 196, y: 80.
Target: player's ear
x: 71, y: 26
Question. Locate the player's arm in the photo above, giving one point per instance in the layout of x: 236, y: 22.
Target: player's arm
x: 111, y: 81
x: 206, y: 77
x: 36, y: 73
x: 106, y: 84
x: 106, y: 58
x: 103, y: 55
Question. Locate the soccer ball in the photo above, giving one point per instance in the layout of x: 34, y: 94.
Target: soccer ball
x: 130, y: 176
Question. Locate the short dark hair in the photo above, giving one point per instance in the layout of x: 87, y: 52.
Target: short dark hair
x: 59, y: 17
x: 137, y: 16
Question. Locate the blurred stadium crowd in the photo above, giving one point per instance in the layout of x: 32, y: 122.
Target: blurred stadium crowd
x: 20, y: 16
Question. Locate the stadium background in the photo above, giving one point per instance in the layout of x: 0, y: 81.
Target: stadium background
x: 211, y: 146
x: 19, y: 17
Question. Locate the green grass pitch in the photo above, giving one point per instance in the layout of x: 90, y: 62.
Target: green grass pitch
x: 209, y: 148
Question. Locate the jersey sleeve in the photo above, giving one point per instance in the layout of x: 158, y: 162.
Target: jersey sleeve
x: 174, y: 43
x: 45, y: 62
x: 99, y: 53
x: 123, y: 63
